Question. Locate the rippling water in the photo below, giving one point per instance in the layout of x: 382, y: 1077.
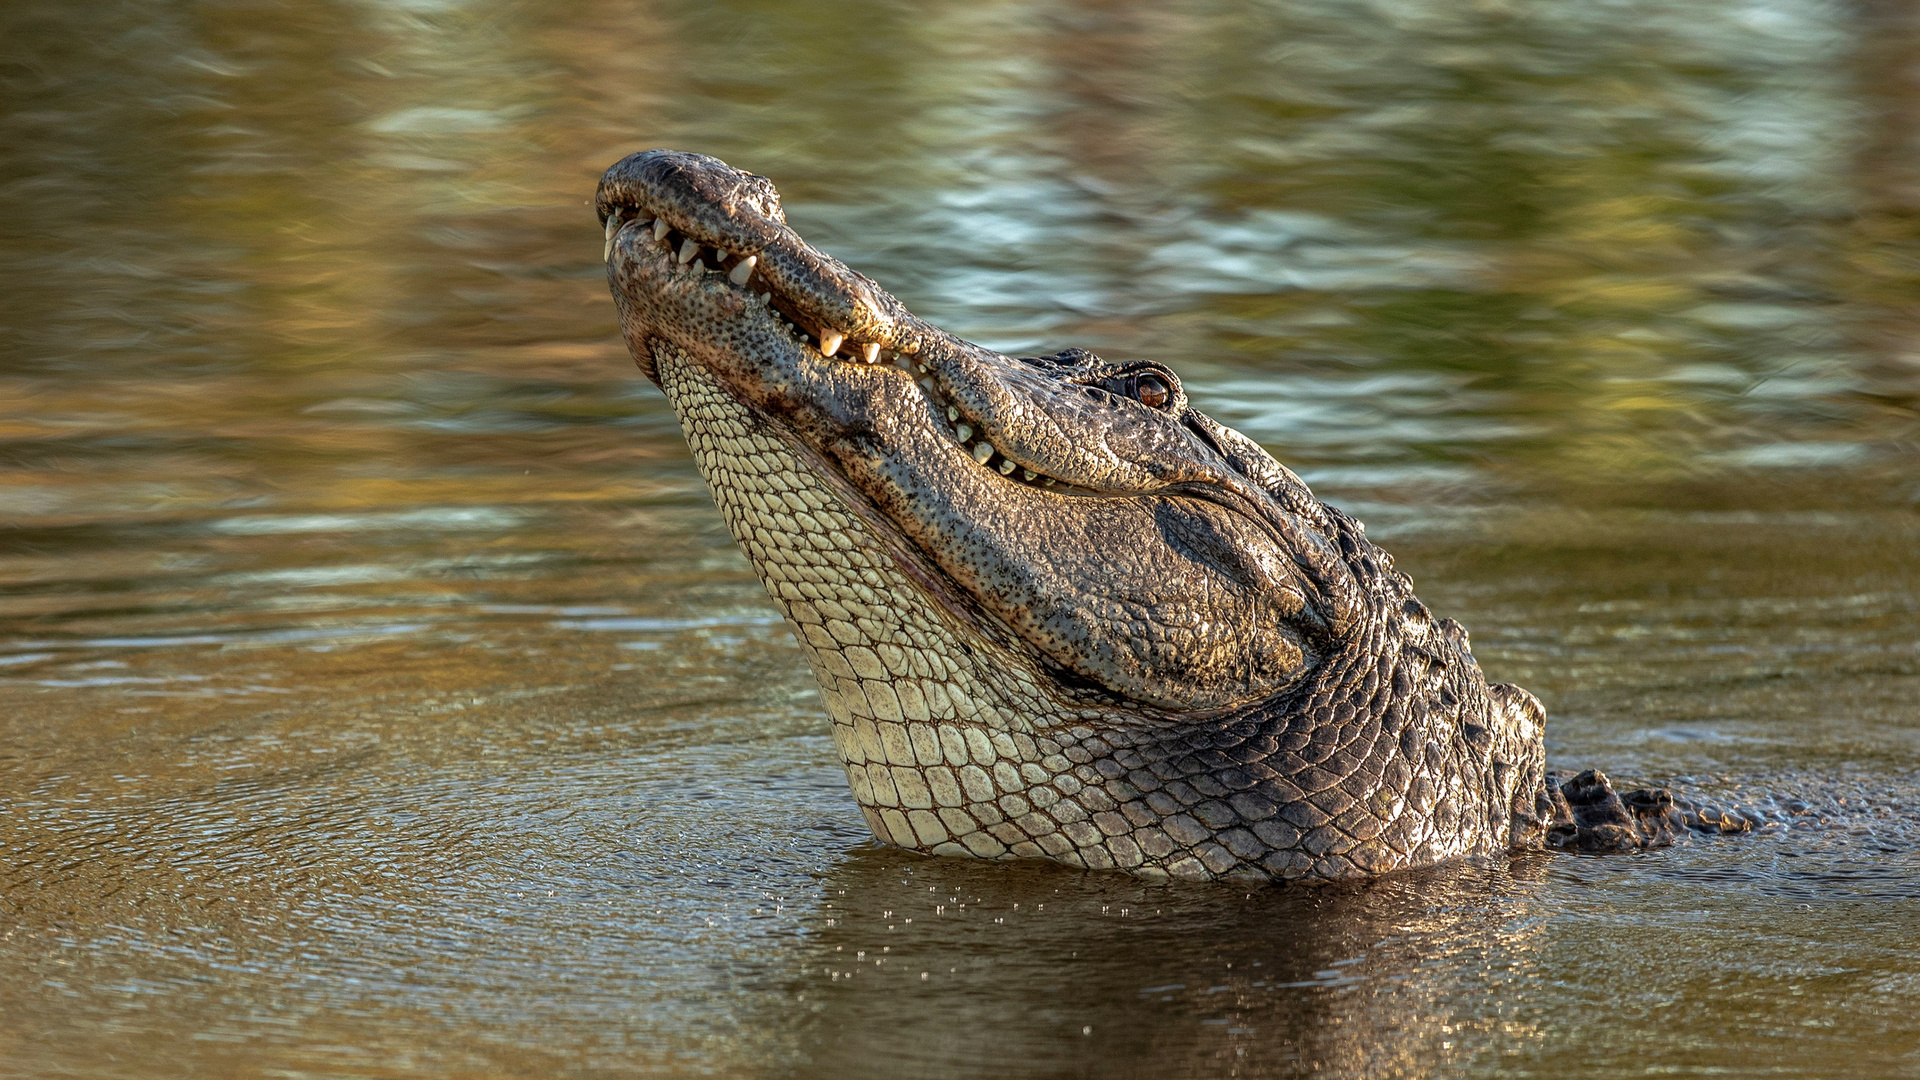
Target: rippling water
x: 380, y: 695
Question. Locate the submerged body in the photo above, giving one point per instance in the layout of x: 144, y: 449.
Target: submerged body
x: 1055, y: 611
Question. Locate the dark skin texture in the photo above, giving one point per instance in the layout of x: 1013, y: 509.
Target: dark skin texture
x: 1208, y: 663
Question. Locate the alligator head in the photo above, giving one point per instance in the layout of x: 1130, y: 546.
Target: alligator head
x: 1055, y: 611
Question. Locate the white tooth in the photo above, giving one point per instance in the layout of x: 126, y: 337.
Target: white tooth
x: 1028, y: 474
x: 660, y: 228
x: 952, y: 414
x: 963, y: 432
x: 830, y: 341
x: 1006, y: 467
x: 982, y: 452
x: 688, y: 249
x: 742, y: 270
x: 613, y: 226
x: 1048, y: 481
x: 870, y: 351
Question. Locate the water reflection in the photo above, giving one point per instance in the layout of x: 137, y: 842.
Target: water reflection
x: 1032, y: 973
x: 379, y: 694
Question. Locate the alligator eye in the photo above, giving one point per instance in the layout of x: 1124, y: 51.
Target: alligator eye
x: 1152, y: 391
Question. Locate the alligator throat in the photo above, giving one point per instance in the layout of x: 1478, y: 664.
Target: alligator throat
x: 1056, y: 612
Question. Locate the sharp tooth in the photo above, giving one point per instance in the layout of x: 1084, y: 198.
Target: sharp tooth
x: 952, y: 414
x: 688, y: 249
x: 613, y: 226
x: 830, y: 341
x: 660, y: 229
x: 1048, y: 481
x: 1028, y: 474
x: 870, y: 351
x: 982, y: 452
x: 963, y: 432
x: 743, y: 270
x: 1006, y: 468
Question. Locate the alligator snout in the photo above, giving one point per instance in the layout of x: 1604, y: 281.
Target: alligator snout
x: 701, y: 196
x: 712, y: 212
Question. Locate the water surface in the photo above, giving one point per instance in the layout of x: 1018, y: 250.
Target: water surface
x: 380, y: 695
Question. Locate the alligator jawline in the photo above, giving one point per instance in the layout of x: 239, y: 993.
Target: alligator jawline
x: 647, y: 242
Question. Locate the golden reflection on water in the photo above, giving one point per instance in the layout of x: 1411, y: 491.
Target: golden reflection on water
x: 380, y: 696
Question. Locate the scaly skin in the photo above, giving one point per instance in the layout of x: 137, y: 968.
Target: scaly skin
x: 1055, y: 611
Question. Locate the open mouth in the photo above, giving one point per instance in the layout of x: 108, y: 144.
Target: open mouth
x: 638, y: 234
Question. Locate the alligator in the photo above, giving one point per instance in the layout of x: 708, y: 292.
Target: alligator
x: 1055, y: 611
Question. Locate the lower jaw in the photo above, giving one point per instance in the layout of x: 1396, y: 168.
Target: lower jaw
x: 939, y: 599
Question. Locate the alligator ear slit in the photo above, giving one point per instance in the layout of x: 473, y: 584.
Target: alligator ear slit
x: 1204, y: 435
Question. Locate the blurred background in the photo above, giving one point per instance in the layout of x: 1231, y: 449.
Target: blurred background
x: 380, y: 694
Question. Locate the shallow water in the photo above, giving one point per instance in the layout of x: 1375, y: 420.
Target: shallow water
x: 380, y: 695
